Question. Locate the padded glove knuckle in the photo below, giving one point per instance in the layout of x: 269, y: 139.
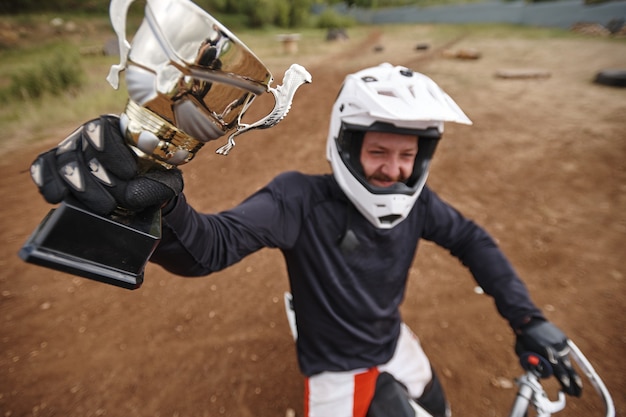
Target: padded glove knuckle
x: 75, y: 166
x: 96, y: 166
x: 105, y: 144
x: 45, y: 176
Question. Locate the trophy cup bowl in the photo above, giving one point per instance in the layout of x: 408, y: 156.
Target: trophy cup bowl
x: 190, y: 81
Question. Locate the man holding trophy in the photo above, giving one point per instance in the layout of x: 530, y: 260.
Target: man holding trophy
x: 348, y: 239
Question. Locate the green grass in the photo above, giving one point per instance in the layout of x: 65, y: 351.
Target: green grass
x: 38, y: 61
x: 32, y: 114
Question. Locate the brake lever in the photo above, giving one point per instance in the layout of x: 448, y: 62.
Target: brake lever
x: 593, y: 377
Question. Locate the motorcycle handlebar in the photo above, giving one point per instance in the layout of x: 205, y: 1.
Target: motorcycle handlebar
x: 593, y: 377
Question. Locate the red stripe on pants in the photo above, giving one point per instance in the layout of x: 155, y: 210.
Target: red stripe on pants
x: 364, y: 387
x: 306, y: 397
x: 359, y: 392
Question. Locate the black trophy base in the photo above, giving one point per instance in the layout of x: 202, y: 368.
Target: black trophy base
x: 109, y: 249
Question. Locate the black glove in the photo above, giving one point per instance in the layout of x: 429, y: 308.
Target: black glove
x: 545, y: 339
x: 96, y: 167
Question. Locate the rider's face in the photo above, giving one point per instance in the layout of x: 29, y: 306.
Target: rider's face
x: 388, y: 158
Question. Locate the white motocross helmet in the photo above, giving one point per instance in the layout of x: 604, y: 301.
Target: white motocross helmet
x: 391, y: 99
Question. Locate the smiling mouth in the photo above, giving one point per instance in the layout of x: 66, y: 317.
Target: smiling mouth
x: 382, y: 183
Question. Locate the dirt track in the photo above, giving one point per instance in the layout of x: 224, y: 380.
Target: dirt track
x: 542, y: 169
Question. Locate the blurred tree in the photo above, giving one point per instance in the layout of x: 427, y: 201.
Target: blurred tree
x: 281, y: 13
x: 299, y: 12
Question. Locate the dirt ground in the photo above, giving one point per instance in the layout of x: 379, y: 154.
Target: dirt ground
x: 542, y: 168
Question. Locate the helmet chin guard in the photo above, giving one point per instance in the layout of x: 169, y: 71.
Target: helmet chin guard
x: 394, y: 99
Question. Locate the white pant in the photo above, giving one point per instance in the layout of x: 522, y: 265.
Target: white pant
x: 348, y: 394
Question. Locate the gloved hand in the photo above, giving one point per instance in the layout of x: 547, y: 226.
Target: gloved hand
x: 545, y: 339
x: 96, y: 167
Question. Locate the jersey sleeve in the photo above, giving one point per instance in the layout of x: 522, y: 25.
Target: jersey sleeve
x: 478, y: 251
x: 195, y: 244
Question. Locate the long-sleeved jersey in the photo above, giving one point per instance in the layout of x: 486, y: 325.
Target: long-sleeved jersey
x: 347, y: 277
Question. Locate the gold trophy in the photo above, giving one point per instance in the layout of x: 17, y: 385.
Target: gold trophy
x: 190, y: 81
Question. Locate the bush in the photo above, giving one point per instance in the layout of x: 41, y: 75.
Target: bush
x: 56, y: 76
x: 330, y: 19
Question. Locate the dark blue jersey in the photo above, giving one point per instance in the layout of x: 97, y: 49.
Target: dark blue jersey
x: 347, y: 277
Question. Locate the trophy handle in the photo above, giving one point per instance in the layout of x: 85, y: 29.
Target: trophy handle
x: 294, y: 77
x: 118, y: 11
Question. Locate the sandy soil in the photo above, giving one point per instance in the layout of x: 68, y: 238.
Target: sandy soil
x: 542, y: 169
